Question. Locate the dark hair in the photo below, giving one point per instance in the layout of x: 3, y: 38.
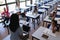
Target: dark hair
x: 35, y: 8
x: 14, y: 22
x: 54, y: 13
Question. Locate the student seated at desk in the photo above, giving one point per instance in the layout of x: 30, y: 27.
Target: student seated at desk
x: 24, y: 16
x: 52, y: 15
x: 53, y: 26
x: 35, y: 10
x: 54, y: 22
x: 16, y: 30
x: 5, y: 15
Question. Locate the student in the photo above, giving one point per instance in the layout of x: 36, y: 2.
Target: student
x: 54, y: 25
x: 54, y: 22
x: 6, y: 16
x: 16, y: 30
x: 52, y: 15
x: 35, y: 9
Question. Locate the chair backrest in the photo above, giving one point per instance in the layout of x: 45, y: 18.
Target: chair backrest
x: 48, y: 26
x: 26, y: 28
x: 23, y: 14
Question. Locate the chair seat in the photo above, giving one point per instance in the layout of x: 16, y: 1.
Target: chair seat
x: 25, y: 33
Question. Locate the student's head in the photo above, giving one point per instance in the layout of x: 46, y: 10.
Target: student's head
x: 14, y: 22
x: 54, y: 13
x: 4, y: 9
x: 18, y: 13
x: 35, y: 8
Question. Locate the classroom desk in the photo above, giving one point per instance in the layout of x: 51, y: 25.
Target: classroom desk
x: 47, y: 20
x: 51, y: 6
x: 58, y: 9
x: 43, y: 12
x: 53, y: 2
x: 58, y: 5
x: 42, y: 30
x: 24, y: 22
x: 33, y: 16
x: 48, y: 4
x: 24, y: 8
x: 15, y: 11
x: 31, y: 5
x: 43, y: 6
x: 48, y: 8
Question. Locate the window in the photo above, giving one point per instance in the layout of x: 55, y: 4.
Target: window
x: 9, y: 1
x: 22, y: 0
x: 28, y: 2
x: 2, y: 1
x: 33, y: 1
x: 22, y: 3
x: 11, y: 7
x: 1, y: 9
x: 11, y: 4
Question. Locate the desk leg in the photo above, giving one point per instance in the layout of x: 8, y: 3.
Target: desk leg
x: 32, y: 38
x: 39, y: 18
x: 37, y: 22
x: 33, y: 20
x: 42, y: 17
x: 46, y: 24
x: 8, y: 30
x: 35, y: 38
x: 43, y: 23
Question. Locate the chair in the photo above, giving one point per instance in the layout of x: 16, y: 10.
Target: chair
x: 48, y: 25
x: 23, y: 16
x: 26, y: 30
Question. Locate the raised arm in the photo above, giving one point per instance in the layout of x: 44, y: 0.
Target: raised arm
x: 7, y: 8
